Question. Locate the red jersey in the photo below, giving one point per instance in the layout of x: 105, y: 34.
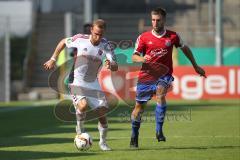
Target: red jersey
x: 159, y: 47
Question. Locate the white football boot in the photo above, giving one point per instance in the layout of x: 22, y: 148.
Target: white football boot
x: 103, y: 146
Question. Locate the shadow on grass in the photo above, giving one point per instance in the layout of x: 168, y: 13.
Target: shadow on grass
x: 16, y: 126
x: 27, y: 155
x: 70, y: 129
x: 181, y: 148
x: 29, y: 141
x: 32, y: 141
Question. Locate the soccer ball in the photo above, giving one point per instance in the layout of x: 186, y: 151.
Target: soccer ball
x: 83, y: 141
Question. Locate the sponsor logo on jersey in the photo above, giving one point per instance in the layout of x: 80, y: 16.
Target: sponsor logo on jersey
x: 100, y: 52
x: 110, y: 46
x: 168, y: 43
x: 159, y: 52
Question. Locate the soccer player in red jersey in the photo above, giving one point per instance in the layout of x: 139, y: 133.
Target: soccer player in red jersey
x: 154, y: 50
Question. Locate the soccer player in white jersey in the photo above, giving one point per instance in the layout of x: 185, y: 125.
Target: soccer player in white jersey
x: 84, y: 86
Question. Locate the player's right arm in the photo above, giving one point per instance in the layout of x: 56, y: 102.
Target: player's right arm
x: 51, y: 62
x: 65, y: 42
x: 136, y: 57
x: 140, y: 48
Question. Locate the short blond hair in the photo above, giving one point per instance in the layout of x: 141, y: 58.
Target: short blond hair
x: 99, y: 23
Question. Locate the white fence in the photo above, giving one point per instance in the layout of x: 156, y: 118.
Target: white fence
x: 4, y: 60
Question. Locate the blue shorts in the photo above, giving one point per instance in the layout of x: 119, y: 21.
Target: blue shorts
x: 145, y: 92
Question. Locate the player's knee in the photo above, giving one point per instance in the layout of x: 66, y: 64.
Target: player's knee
x: 137, y: 115
x: 82, y: 105
x: 101, y: 112
x: 160, y: 98
x: 80, y: 116
x: 161, y: 94
x: 102, y: 120
x: 161, y: 90
x: 103, y: 124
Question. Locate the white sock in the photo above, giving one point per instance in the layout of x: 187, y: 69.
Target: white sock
x: 80, y: 117
x: 102, y: 132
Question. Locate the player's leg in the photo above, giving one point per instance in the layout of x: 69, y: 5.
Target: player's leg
x: 160, y: 111
x: 103, y: 128
x: 99, y: 104
x: 161, y: 91
x: 80, y: 103
x: 143, y: 94
x: 136, y: 123
x: 80, y: 107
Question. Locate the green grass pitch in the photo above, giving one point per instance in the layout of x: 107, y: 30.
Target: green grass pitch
x: 195, y: 130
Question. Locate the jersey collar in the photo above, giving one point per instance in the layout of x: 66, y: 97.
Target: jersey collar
x: 159, y: 36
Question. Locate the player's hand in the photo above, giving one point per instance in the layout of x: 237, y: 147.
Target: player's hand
x: 200, y: 71
x: 107, y: 64
x: 146, y: 58
x: 49, y: 64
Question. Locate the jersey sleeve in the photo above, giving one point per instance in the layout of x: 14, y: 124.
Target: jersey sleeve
x: 71, y: 42
x: 179, y: 42
x: 139, y: 45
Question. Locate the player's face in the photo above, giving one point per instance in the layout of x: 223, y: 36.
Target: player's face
x: 158, y: 22
x: 97, y: 34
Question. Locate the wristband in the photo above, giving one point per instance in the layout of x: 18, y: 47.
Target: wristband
x: 54, y: 59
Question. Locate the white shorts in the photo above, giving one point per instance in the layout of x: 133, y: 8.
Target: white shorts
x: 95, y: 98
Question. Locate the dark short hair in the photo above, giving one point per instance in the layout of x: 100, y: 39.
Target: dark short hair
x: 87, y: 28
x: 159, y: 11
x: 87, y: 25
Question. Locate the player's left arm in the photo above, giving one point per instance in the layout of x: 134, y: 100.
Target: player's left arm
x: 111, y: 61
x: 113, y: 66
x: 188, y: 53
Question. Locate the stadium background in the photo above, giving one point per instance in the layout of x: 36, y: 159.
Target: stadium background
x: 29, y: 32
